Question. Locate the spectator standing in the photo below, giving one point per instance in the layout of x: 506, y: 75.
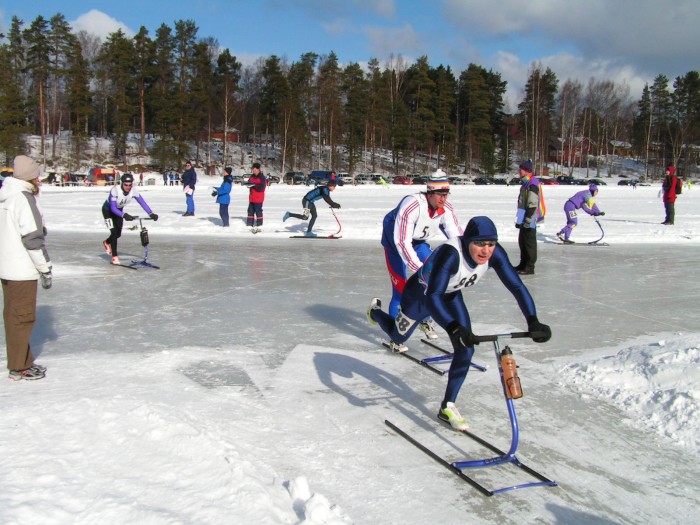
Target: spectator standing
x: 669, y: 194
x: 189, y: 180
x: 257, y: 184
x: 223, y: 196
x: 23, y: 261
x: 526, y: 219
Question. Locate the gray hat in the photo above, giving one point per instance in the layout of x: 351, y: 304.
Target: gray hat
x: 25, y: 168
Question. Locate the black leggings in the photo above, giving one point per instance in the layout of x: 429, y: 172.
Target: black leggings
x: 312, y: 209
x: 115, y: 231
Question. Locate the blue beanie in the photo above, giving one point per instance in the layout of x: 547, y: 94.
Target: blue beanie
x: 480, y: 229
x: 592, y: 188
x: 526, y: 166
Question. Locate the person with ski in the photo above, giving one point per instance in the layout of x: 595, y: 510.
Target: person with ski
x: 406, y: 231
x: 582, y: 200
x: 223, y: 196
x: 436, y: 290
x: 527, y: 217
x: 309, y: 206
x: 114, y: 214
x: 669, y: 190
x: 257, y: 184
x: 189, y: 180
x: 24, y: 261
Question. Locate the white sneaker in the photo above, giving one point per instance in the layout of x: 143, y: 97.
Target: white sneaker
x: 398, y: 348
x: 451, y: 415
x: 374, y: 304
x: 428, y: 330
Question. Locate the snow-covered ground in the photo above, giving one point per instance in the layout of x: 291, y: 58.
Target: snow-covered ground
x: 241, y: 383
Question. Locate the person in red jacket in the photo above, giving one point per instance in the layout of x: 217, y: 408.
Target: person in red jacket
x: 257, y: 184
x: 669, y: 195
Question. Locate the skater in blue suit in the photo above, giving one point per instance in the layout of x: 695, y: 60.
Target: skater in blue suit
x: 436, y: 290
x: 319, y: 192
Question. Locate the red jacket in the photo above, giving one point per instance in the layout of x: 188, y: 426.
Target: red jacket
x: 669, y: 187
x: 257, y: 190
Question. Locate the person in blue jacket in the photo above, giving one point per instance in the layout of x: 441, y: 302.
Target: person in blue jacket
x: 189, y: 180
x: 582, y: 200
x: 223, y: 196
x: 319, y: 192
x: 436, y: 290
x: 114, y: 214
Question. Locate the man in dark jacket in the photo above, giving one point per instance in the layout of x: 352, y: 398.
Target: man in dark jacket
x: 189, y: 179
x: 320, y: 192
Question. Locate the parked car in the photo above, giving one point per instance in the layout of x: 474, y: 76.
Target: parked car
x: 481, y: 181
x: 514, y: 181
x: 345, y: 177
x: 402, y: 180
x: 566, y: 179
x: 419, y: 180
x: 273, y: 179
x: 460, y: 180
x: 548, y: 182
x: 294, y: 177
x: 500, y: 182
x: 628, y: 182
x: 597, y: 182
x: 363, y: 178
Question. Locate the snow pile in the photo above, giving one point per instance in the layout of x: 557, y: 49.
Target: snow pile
x: 656, y: 384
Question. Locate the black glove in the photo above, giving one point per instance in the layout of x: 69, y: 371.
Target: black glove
x: 154, y: 216
x: 540, y: 333
x: 518, y: 226
x: 460, y: 336
x: 601, y: 213
x: 128, y: 217
x: 46, y: 280
x: 214, y: 193
x: 335, y: 205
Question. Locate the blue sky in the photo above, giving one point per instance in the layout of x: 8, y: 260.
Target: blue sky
x: 629, y: 41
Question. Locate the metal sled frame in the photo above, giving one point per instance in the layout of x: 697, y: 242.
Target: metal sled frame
x: 459, y: 467
x: 340, y: 226
x: 602, y: 233
x: 143, y: 263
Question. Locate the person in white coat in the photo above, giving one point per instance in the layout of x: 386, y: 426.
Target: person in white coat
x: 24, y: 261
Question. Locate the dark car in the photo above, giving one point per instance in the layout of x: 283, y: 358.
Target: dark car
x: 548, y: 182
x: 273, y: 179
x: 483, y: 181
x: 566, y: 179
x: 514, y: 181
x: 294, y: 177
x: 627, y: 182
x: 502, y: 182
x: 419, y: 180
x: 597, y: 182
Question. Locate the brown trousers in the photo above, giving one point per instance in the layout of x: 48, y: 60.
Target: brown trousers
x: 19, y: 313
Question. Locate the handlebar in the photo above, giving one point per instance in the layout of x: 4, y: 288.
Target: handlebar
x: 511, y: 335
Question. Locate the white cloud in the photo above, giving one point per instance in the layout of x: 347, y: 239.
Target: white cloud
x: 100, y: 24
x: 386, y: 40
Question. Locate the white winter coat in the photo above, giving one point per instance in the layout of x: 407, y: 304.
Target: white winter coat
x: 22, y: 250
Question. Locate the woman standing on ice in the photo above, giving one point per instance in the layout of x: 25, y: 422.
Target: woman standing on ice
x: 23, y: 260
x: 583, y: 200
x: 114, y: 214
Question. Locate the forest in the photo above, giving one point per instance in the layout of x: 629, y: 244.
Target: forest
x: 318, y: 113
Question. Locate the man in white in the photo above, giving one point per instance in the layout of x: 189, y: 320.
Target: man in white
x: 23, y: 261
x: 406, y: 231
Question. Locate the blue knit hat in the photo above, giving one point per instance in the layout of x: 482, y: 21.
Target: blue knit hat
x: 480, y: 229
x: 526, y: 166
x: 592, y: 188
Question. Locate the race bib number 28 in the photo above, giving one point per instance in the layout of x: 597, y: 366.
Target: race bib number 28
x: 403, y: 323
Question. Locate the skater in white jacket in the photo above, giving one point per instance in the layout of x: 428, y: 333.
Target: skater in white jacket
x: 23, y: 261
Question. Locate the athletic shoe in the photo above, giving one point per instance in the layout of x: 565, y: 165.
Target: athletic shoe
x: 428, y: 330
x: 115, y: 260
x: 397, y: 347
x: 311, y: 234
x: 560, y: 236
x: 286, y: 216
x: 451, y: 415
x: 526, y: 271
x: 29, y: 374
x: 107, y: 246
x: 374, y: 304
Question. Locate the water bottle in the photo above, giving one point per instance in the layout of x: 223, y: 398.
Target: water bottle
x: 510, y: 374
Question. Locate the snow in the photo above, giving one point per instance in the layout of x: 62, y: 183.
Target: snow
x: 242, y: 383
